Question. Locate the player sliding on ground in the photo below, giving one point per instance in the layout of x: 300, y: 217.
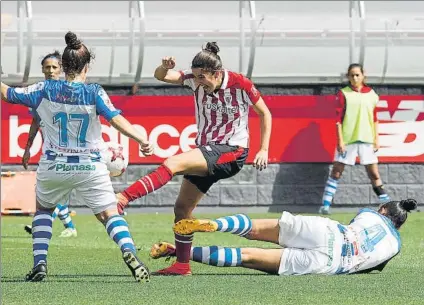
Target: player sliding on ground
x: 310, y: 244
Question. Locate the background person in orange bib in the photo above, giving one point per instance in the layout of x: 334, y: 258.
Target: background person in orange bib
x: 357, y: 135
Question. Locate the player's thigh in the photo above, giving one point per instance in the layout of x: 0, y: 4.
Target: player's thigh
x: 192, y: 190
x: 303, y: 261
x: 306, y: 232
x: 191, y: 162
x: 224, y: 161
x: 349, y: 156
x: 267, y: 260
x: 367, y: 155
x: 53, y: 186
x: 96, y: 190
x: 265, y: 230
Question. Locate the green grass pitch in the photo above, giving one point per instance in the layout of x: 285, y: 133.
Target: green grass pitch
x: 89, y: 270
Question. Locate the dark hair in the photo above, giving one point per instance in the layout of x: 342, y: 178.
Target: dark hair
x: 208, y: 59
x: 55, y: 54
x: 75, y: 56
x: 396, y: 211
x: 355, y: 65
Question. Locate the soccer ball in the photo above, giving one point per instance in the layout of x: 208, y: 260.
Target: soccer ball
x: 115, y: 160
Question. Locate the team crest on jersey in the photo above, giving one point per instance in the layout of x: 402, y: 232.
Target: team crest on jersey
x: 228, y: 99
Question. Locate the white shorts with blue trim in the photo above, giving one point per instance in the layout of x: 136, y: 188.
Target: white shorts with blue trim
x: 312, y: 245
x: 365, y: 152
x: 91, y: 181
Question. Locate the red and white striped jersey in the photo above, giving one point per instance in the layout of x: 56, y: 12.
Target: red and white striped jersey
x: 222, y: 116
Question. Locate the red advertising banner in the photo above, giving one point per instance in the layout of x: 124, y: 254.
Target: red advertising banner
x: 303, y: 128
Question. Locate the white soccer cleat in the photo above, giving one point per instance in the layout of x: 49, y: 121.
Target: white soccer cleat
x: 69, y: 232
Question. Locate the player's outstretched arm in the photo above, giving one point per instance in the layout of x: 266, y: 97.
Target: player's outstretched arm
x: 35, y: 125
x: 165, y: 73
x: 125, y: 127
x: 261, y: 158
x: 30, y: 96
x: 4, y: 89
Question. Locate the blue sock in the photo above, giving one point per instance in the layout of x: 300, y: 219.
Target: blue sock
x: 65, y: 217
x: 239, y: 224
x: 384, y: 198
x: 329, y: 191
x: 56, y: 211
x: 216, y: 256
x: 41, y: 235
x: 117, y: 228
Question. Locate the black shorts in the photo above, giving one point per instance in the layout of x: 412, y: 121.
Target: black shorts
x: 224, y: 161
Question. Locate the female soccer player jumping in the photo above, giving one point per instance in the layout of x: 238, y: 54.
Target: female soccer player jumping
x: 310, y: 244
x: 72, y: 150
x: 222, y: 100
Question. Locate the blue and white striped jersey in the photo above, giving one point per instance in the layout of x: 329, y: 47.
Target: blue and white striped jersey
x: 372, y: 239
x: 69, y: 112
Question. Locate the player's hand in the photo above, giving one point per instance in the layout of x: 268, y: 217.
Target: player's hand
x: 376, y: 146
x: 341, y: 148
x: 168, y: 62
x: 25, y: 158
x: 261, y: 160
x: 146, y: 148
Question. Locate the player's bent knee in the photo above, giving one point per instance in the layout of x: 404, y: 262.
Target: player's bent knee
x: 105, y: 215
x: 337, y: 170
x: 336, y: 174
x: 175, y: 164
x: 101, y: 217
x: 374, y: 175
x: 253, y: 234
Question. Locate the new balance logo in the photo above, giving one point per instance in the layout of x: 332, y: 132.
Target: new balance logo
x: 402, y: 130
x: 408, y: 110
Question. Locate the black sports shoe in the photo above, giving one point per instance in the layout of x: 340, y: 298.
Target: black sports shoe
x: 139, y: 271
x: 37, y: 274
x: 28, y: 229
